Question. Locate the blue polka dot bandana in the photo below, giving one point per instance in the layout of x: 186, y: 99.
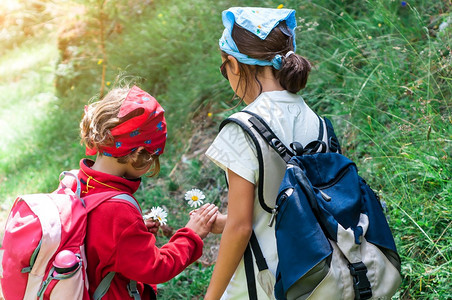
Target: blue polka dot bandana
x: 259, y: 21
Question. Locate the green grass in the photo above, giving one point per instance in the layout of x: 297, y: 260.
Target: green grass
x: 381, y: 73
x: 27, y: 99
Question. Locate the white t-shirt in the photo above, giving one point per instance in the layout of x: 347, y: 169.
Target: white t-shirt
x: 291, y: 120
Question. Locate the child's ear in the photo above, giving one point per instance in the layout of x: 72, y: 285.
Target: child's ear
x: 234, y: 65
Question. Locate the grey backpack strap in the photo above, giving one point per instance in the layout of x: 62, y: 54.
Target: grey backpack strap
x: 96, y: 199
x: 133, y: 291
x: 127, y: 198
x: 132, y: 286
x: 103, y: 287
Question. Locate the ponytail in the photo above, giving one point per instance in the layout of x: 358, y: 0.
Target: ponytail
x: 294, y: 72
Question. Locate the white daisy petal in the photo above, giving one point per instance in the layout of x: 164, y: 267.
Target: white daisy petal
x: 147, y: 216
x: 157, y: 214
x: 195, y: 197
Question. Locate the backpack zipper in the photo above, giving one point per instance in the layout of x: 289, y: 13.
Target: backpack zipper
x: 325, y: 196
x: 327, y: 185
x: 334, y: 181
x: 275, y: 210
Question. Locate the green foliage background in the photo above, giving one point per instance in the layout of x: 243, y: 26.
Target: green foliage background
x: 382, y: 73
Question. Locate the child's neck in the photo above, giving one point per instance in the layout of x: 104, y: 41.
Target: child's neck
x: 269, y: 83
x: 109, y: 165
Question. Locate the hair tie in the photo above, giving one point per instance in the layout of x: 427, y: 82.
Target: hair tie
x: 277, y: 61
x: 289, y: 54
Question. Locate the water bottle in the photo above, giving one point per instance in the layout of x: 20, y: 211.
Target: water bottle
x: 65, y: 262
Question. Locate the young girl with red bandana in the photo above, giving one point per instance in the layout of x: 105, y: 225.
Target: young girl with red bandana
x: 127, y: 131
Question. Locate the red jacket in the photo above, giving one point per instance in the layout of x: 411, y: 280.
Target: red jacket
x: 117, y: 240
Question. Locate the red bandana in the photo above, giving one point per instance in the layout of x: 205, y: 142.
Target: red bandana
x: 146, y: 128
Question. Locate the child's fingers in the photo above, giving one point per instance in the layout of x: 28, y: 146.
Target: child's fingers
x: 204, y: 214
x: 200, y: 209
x: 213, y: 218
x: 152, y: 226
x: 151, y: 223
x: 208, y: 210
x: 210, y: 215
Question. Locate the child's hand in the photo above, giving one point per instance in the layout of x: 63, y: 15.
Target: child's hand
x: 202, y: 219
x: 152, y: 226
x: 218, y: 225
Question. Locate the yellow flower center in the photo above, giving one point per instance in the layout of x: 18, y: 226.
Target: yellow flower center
x: 194, y: 198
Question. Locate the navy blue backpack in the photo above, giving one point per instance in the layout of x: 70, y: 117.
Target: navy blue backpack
x: 332, y: 236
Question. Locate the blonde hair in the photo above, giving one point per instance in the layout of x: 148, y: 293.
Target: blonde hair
x: 100, y: 117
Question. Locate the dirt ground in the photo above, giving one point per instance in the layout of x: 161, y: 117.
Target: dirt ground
x: 197, y: 145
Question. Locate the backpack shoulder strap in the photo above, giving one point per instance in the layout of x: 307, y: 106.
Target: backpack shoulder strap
x: 265, y: 131
x: 249, y: 272
x: 94, y: 200
x: 127, y: 198
x: 333, y: 142
x: 103, y: 286
x: 67, y: 183
x: 260, y: 159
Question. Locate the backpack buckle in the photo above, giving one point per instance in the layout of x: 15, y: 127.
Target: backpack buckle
x: 133, y: 290
x: 297, y: 148
x: 361, y: 283
x: 278, y: 146
x: 333, y: 143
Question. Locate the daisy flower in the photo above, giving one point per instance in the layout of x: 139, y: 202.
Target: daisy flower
x: 194, y: 197
x: 157, y: 214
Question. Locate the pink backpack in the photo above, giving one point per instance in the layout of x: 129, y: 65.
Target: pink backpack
x: 43, y: 245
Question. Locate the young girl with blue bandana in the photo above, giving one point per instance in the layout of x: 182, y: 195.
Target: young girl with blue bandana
x: 259, y: 61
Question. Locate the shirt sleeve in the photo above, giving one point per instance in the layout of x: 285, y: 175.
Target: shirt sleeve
x: 234, y: 150
x: 137, y: 257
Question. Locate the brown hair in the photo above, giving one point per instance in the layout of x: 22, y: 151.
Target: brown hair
x: 100, y: 117
x: 295, y: 69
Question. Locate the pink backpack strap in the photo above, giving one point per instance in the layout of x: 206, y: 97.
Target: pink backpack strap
x: 70, y: 184
x: 69, y: 180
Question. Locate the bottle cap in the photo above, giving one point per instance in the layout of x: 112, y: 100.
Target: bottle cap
x: 65, y: 261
